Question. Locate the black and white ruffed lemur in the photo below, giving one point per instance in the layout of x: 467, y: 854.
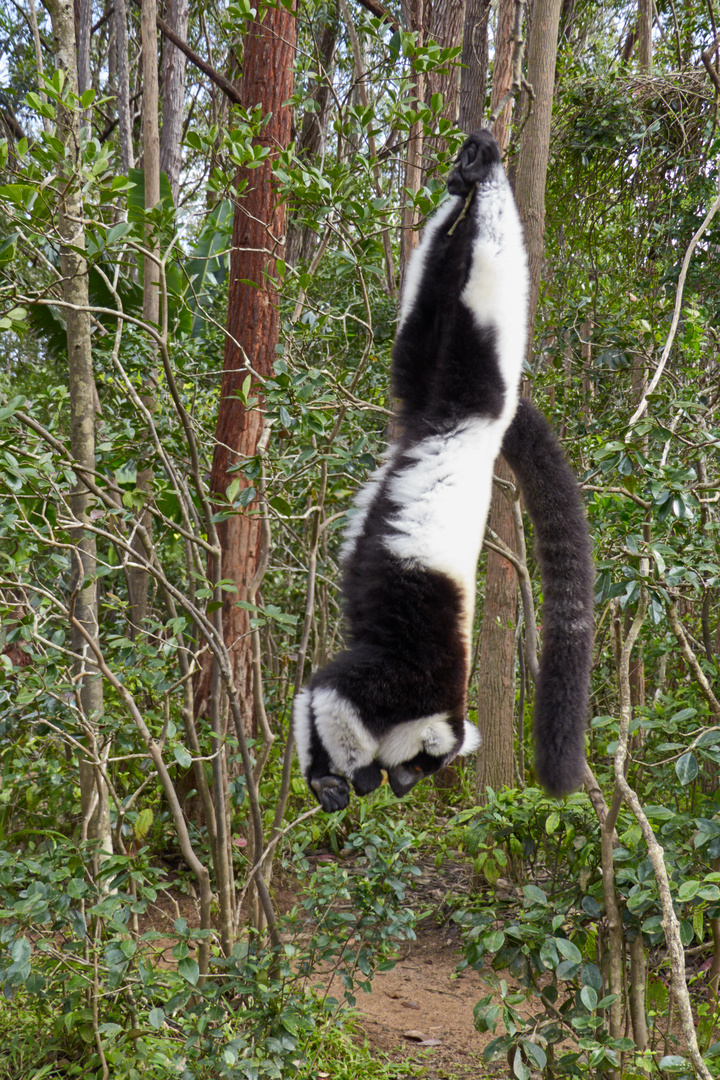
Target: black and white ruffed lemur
x: 395, y: 701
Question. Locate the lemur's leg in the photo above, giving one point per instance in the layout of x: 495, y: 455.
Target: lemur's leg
x: 423, y: 310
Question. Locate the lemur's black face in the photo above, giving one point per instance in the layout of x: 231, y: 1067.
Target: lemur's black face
x: 402, y: 778
x: 477, y: 156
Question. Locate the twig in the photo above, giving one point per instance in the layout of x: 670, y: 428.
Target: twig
x: 706, y: 57
x: 518, y: 82
x: 692, y: 660
x: 676, y: 315
x: 670, y: 922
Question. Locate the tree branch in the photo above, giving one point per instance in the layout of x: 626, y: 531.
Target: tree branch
x: 227, y: 87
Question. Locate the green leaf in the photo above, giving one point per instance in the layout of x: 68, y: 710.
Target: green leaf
x: 156, y: 1017
x: 591, y: 907
x: 568, y: 950
x: 589, y: 998
x: 520, y: 1069
x: 590, y: 975
x: 534, y: 895
x: 182, y: 756
x: 117, y: 232
x: 534, y: 1051
x: 282, y: 506
x: 686, y: 769
x: 20, y: 951
x: 143, y: 823
x: 494, y: 941
x: 688, y: 890
x: 189, y: 970
x: 674, y: 1063
x: 684, y: 714
x: 552, y: 823
x: 128, y: 948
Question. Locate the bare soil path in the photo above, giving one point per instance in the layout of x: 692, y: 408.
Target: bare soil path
x: 423, y: 1010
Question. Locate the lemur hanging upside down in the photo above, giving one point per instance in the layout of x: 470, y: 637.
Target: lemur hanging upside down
x: 395, y: 701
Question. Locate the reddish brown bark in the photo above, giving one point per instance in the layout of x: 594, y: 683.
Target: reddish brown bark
x: 252, y: 328
x: 474, y: 70
x: 496, y: 662
x: 445, y: 26
x: 503, y: 71
x: 535, y: 146
x: 413, y: 17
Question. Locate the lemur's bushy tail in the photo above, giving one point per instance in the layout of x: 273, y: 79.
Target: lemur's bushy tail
x: 562, y: 546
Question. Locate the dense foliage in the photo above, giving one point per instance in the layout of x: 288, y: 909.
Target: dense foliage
x: 116, y: 962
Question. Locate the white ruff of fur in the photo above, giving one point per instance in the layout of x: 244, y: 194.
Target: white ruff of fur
x: 346, y: 739
x: 362, y: 503
x: 301, y: 728
x: 431, y: 733
x: 443, y: 504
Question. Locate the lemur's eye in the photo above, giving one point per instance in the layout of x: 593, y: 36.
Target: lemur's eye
x: 417, y: 768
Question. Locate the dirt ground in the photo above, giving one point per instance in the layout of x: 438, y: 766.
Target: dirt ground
x: 422, y: 1010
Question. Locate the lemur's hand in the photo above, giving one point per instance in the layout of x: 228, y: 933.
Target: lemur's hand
x: 333, y: 792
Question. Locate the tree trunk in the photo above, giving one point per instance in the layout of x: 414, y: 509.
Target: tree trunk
x: 644, y: 35
x: 503, y: 71
x: 473, y: 74
x: 302, y: 240
x: 252, y: 334
x: 137, y: 575
x: 535, y: 146
x: 413, y: 12
x: 47, y: 122
x: 173, y: 77
x: 123, y: 79
x: 94, y: 793
x: 151, y: 154
x: 496, y: 665
x: 83, y: 45
x: 445, y: 27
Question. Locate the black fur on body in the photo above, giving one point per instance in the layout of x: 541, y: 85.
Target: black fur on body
x: 395, y: 701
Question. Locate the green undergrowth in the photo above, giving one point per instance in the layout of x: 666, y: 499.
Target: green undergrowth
x: 87, y: 993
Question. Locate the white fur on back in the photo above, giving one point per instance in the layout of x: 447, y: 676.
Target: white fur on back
x: 431, y: 733
x: 346, y: 739
x: 444, y: 499
x: 444, y: 496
